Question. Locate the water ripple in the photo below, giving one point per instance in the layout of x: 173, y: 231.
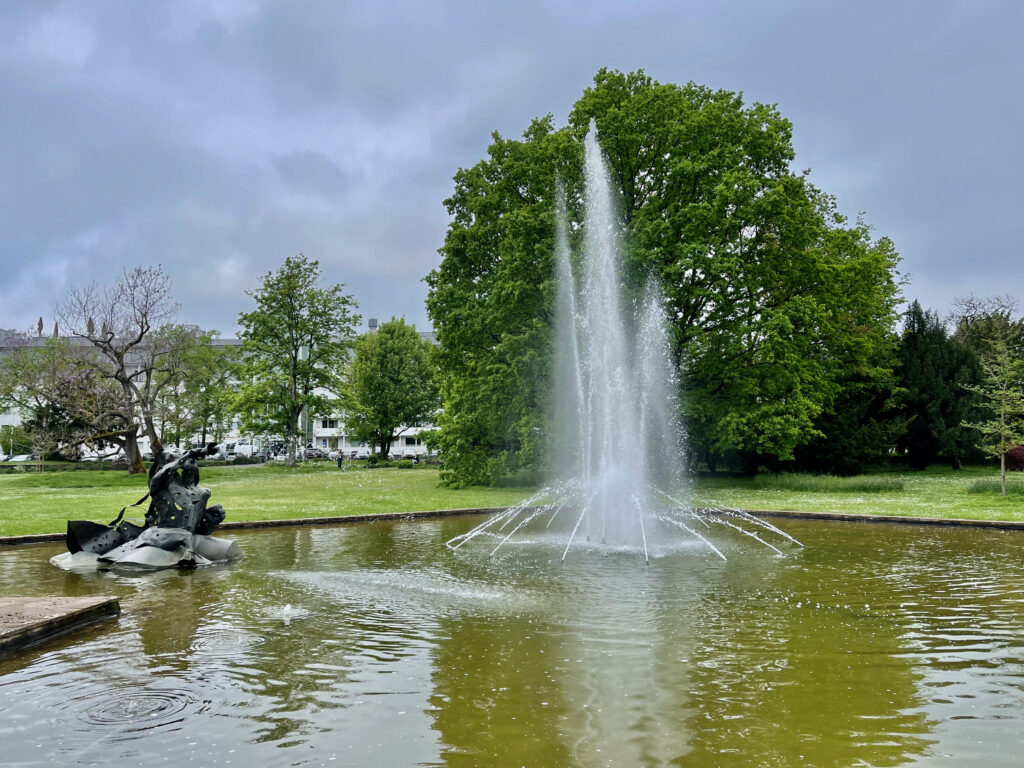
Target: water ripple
x: 131, y: 713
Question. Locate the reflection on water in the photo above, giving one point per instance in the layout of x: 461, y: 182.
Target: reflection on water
x: 375, y: 645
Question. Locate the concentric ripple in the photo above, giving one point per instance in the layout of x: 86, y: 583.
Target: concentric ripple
x: 129, y: 714
x: 225, y: 641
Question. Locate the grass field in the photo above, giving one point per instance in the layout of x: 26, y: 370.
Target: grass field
x: 970, y: 493
x: 43, y: 502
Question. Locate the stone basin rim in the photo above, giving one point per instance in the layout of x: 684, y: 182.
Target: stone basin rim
x: 26, y: 622
x: 850, y: 517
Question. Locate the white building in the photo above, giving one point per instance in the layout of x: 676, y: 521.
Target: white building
x: 329, y: 435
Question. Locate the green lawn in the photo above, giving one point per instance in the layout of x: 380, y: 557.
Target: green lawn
x: 42, y: 502
x: 970, y: 493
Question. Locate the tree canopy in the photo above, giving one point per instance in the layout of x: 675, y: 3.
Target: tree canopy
x: 391, y: 384
x: 294, y: 344
x: 773, y: 298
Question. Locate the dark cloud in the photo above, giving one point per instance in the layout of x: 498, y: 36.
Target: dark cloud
x: 218, y: 138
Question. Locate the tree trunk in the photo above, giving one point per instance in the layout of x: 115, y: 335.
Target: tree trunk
x: 293, y: 418
x: 155, y: 443
x: 1002, y: 471
x: 131, y: 451
x: 751, y: 461
x: 293, y: 436
x: 954, y: 462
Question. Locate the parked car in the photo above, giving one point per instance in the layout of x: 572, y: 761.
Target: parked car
x: 361, y: 453
x: 315, y: 453
x: 21, y: 457
x: 410, y: 453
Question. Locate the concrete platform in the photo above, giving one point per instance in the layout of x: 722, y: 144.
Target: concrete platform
x: 29, y: 620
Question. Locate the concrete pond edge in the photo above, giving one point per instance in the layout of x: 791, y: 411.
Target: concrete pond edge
x: 29, y: 621
x: 366, y: 518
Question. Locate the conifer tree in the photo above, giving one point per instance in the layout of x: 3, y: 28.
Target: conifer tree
x: 935, y: 374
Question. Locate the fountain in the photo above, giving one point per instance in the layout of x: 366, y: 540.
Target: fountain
x: 619, y: 442
x: 370, y: 644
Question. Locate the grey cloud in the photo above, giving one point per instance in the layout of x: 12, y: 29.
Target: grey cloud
x: 313, y: 171
x: 219, y: 138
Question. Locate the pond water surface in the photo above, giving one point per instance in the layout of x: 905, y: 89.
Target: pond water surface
x: 374, y: 645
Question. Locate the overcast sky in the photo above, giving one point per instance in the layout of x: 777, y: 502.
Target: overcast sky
x: 218, y: 137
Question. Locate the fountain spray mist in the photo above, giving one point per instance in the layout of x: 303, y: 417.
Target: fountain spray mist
x: 618, y: 446
x: 615, y: 383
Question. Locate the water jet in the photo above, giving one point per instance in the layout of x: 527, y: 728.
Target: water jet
x: 619, y: 446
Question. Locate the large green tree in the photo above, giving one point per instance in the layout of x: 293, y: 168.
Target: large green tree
x: 391, y: 384
x: 861, y: 424
x: 935, y: 376
x: 491, y: 303
x: 772, y: 297
x: 294, y: 344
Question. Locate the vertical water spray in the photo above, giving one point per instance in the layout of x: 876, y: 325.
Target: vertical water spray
x: 617, y: 355
x: 618, y: 447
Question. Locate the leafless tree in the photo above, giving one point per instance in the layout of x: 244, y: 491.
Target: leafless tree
x: 135, y: 346
x: 969, y: 310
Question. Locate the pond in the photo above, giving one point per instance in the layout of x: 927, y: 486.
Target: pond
x: 374, y: 645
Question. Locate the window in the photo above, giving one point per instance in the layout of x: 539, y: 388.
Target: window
x: 410, y: 441
x: 330, y: 423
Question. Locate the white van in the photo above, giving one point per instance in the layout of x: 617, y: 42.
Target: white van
x: 244, y: 446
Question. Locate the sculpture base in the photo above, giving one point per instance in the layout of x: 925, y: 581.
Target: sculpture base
x: 155, y: 549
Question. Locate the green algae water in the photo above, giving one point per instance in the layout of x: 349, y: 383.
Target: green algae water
x: 375, y: 645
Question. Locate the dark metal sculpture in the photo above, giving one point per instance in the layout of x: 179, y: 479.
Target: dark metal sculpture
x: 177, y: 527
x: 178, y: 501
